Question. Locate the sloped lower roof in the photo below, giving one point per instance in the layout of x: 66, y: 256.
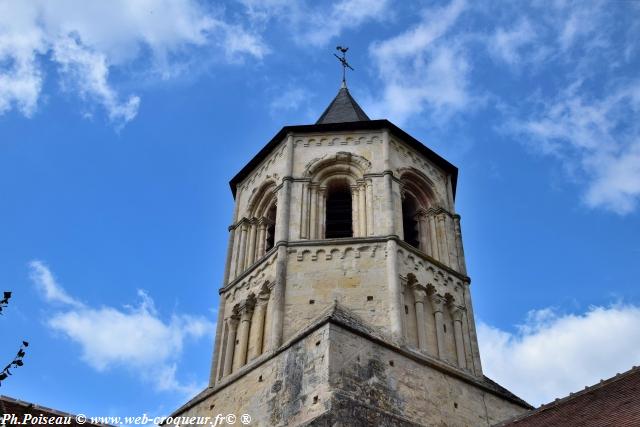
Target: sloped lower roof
x: 613, y: 402
x: 343, y: 108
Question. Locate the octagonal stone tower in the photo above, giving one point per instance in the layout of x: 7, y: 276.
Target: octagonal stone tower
x: 345, y: 298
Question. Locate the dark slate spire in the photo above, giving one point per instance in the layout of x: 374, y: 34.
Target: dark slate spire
x: 343, y: 108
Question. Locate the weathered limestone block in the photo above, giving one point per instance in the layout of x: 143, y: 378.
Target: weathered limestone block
x: 341, y: 372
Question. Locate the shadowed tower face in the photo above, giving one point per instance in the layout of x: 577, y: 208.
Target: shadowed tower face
x: 345, y: 294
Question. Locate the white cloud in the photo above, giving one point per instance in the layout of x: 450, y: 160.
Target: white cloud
x: 317, y: 25
x: 290, y: 99
x: 422, y: 69
x: 88, y: 72
x: 580, y: 21
x: 508, y: 44
x: 598, y: 136
x: 135, y: 338
x: 554, y: 354
x: 87, y: 40
x: 46, y: 283
x: 345, y: 14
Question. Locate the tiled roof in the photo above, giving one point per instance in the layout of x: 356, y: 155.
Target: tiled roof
x: 20, y: 408
x: 612, y: 402
x: 342, y: 109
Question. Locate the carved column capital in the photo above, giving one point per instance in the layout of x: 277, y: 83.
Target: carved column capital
x: 246, y: 309
x: 457, y: 312
x: 419, y: 293
x: 437, y: 302
x: 262, y: 299
x: 233, y: 321
x: 421, y: 214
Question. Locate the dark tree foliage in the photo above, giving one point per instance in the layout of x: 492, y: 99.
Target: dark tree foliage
x: 17, y: 361
x: 5, y: 300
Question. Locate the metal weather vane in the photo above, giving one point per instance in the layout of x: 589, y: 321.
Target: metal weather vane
x: 345, y: 64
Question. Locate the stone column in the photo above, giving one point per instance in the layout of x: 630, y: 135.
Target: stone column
x: 475, y: 362
x: 423, y: 231
x: 251, y: 246
x: 262, y: 237
x: 304, y: 215
x: 322, y: 211
x: 461, y: 261
x: 456, y: 314
x: 217, y: 346
x: 233, y: 268
x: 451, y: 242
x: 313, y: 214
x: 227, y: 266
x: 220, y: 367
x: 242, y: 250
x: 396, y: 310
x: 388, y: 186
x: 277, y: 314
x: 281, y: 242
x: 355, y: 219
x: 362, y: 209
x: 257, y: 327
x: 369, y: 192
x: 271, y: 308
x: 443, y: 255
x: 403, y: 288
x: 433, y: 235
x: 232, y: 328
x: 240, y: 357
x: 419, y: 295
x: 437, y: 303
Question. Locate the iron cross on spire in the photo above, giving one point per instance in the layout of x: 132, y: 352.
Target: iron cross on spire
x: 345, y: 64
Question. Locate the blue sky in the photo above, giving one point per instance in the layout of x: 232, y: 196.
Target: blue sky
x: 121, y: 126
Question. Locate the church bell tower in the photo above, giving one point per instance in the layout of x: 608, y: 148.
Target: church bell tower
x: 345, y: 298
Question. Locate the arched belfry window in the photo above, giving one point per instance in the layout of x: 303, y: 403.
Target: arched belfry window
x: 337, y: 198
x: 339, y: 210
x: 270, y: 228
x: 418, y: 199
x: 410, y: 225
x: 255, y: 233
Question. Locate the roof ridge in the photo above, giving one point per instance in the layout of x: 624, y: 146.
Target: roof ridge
x: 573, y: 395
x: 617, y: 377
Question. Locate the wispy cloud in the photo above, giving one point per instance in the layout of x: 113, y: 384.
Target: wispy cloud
x: 509, y: 44
x: 598, y: 136
x: 87, y: 72
x: 290, y: 99
x: 133, y: 337
x: 553, y: 354
x: 423, y: 70
x: 87, y: 40
x: 318, y: 24
x: 43, y: 278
